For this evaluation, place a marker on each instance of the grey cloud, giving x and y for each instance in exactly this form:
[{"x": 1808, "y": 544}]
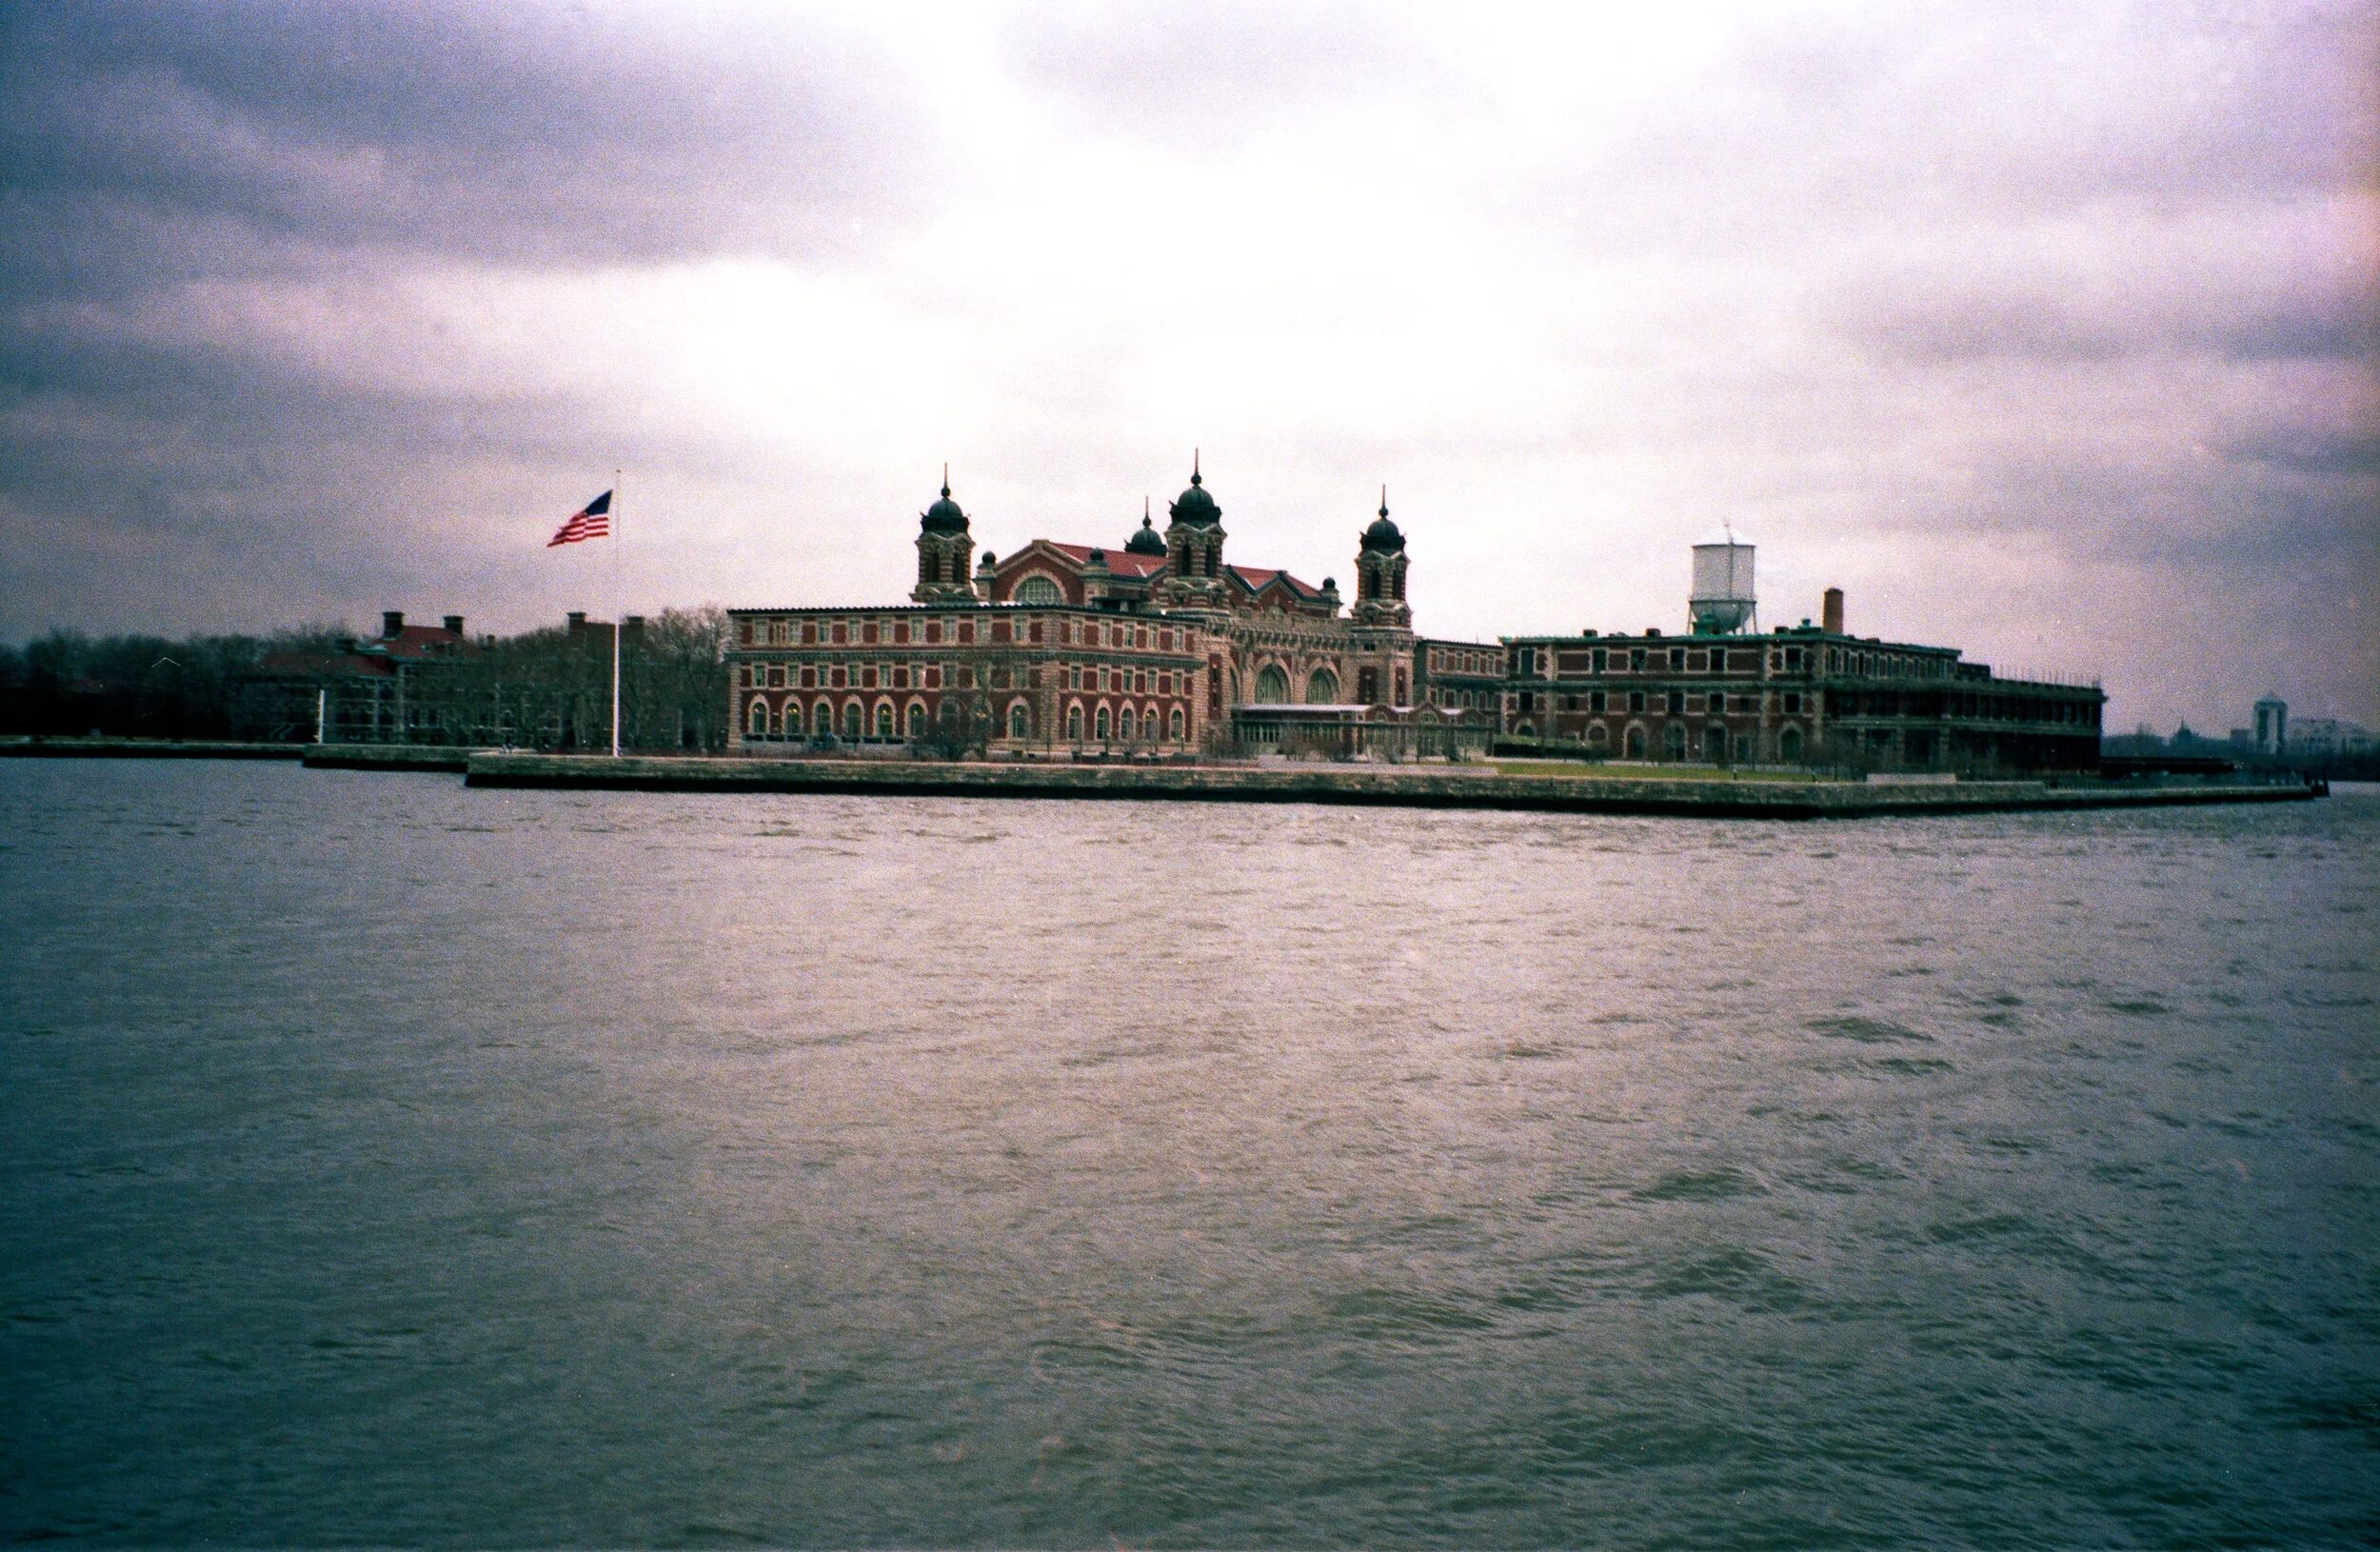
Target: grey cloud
[
  {"x": 1805, "y": 132},
  {"x": 525, "y": 134},
  {"x": 1924, "y": 317},
  {"x": 2301, "y": 450},
  {"x": 1216, "y": 74}
]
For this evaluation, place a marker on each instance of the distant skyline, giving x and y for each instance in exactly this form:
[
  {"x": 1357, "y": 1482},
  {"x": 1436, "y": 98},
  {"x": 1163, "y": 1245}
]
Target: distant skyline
[{"x": 2051, "y": 333}]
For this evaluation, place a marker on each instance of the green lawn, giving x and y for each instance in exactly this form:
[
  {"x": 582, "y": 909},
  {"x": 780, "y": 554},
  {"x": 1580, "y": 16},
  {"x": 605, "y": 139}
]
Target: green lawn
[{"x": 1589, "y": 771}]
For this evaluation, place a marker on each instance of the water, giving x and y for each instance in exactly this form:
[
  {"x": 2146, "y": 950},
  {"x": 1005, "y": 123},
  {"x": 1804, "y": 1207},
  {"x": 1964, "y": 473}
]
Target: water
[{"x": 385, "y": 1160}]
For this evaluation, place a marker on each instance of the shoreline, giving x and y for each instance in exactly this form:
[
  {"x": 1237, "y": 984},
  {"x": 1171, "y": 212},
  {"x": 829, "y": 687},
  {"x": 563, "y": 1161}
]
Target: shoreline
[
  {"x": 1375, "y": 786},
  {"x": 1399, "y": 787}
]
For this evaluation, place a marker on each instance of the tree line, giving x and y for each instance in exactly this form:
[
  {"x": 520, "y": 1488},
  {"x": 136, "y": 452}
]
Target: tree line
[{"x": 545, "y": 689}]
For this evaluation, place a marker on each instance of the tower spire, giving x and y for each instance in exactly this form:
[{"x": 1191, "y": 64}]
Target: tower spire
[{"x": 946, "y": 479}]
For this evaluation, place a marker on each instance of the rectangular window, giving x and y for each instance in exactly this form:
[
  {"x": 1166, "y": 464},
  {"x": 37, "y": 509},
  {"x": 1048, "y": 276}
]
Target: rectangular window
[
  {"x": 1792, "y": 704},
  {"x": 746, "y": 678},
  {"x": 1034, "y": 632},
  {"x": 1637, "y": 661},
  {"x": 933, "y": 632},
  {"x": 867, "y": 632},
  {"x": 1000, "y": 630},
  {"x": 1602, "y": 658},
  {"x": 1599, "y": 701},
  {"x": 1636, "y": 700},
  {"x": 1678, "y": 658},
  {"x": 967, "y": 632},
  {"x": 1678, "y": 701},
  {"x": 1792, "y": 657}
]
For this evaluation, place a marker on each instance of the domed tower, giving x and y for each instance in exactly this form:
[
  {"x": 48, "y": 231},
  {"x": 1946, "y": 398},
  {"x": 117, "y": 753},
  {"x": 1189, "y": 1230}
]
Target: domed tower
[
  {"x": 1145, "y": 540},
  {"x": 1194, "y": 546},
  {"x": 945, "y": 548},
  {"x": 1380, "y": 573}
]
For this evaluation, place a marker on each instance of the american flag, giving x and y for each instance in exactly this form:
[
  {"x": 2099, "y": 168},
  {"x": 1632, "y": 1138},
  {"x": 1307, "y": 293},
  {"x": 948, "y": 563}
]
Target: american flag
[{"x": 593, "y": 520}]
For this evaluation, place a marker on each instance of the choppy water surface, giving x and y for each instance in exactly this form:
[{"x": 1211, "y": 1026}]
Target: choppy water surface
[{"x": 386, "y": 1160}]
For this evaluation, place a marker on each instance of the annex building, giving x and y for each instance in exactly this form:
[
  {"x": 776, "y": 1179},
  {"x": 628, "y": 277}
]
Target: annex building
[
  {"x": 1801, "y": 695},
  {"x": 1159, "y": 644}
]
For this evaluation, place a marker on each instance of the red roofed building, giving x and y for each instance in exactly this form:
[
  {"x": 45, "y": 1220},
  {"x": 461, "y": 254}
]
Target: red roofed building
[{"x": 1157, "y": 643}]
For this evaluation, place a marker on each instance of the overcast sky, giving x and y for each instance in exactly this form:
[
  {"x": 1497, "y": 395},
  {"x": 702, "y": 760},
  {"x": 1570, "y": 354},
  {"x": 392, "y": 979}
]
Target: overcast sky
[{"x": 2051, "y": 333}]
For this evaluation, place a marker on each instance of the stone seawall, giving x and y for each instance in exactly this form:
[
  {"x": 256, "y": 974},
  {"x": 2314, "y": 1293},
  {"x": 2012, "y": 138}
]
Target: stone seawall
[
  {"x": 146, "y": 749},
  {"x": 1403, "y": 786},
  {"x": 387, "y": 757}
]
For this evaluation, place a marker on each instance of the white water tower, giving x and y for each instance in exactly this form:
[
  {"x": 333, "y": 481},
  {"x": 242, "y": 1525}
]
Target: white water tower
[{"x": 1723, "y": 602}]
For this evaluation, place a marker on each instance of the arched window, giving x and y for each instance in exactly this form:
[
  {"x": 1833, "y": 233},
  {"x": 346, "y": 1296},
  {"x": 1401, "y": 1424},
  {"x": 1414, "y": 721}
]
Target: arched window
[
  {"x": 1074, "y": 723},
  {"x": 1272, "y": 685},
  {"x": 1322, "y": 689},
  {"x": 1100, "y": 725},
  {"x": 1124, "y": 724},
  {"x": 1715, "y": 743},
  {"x": 756, "y": 718},
  {"x": 1173, "y": 727},
  {"x": 1635, "y": 743},
  {"x": 851, "y": 722},
  {"x": 917, "y": 722},
  {"x": 1039, "y": 590},
  {"x": 1599, "y": 737},
  {"x": 1675, "y": 741},
  {"x": 1789, "y": 745},
  {"x": 1020, "y": 722},
  {"x": 822, "y": 720},
  {"x": 885, "y": 722}
]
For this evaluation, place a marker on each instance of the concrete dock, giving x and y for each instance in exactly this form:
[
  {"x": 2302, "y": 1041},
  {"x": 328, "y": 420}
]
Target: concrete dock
[{"x": 1405, "y": 786}]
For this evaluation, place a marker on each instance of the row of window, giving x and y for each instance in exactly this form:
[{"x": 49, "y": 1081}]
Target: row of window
[
  {"x": 855, "y": 723},
  {"x": 1528, "y": 661},
  {"x": 959, "y": 676},
  {"x": 1635, "y": 743},
  {"x": 935, "y": 632},
  {"x": 1674, "y": 702}
]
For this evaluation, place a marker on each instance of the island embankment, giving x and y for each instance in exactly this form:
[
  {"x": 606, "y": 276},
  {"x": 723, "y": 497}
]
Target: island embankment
[
  {"x": 145, "y": 748},
  {"x": 430, "y": 757},
  {"x": 1405, "y": 786}
]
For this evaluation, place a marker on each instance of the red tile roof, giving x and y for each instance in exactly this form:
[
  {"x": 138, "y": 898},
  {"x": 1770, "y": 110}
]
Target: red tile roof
[
  {"x": 414, "y": 642},
  {"x": 1120, "y": 560}
]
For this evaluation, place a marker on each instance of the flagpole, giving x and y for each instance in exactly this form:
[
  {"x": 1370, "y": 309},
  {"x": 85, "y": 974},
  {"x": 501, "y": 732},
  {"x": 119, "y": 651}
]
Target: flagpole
[{"x": 620, "y": 622}]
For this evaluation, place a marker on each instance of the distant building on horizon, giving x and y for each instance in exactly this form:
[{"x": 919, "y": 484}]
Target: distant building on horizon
[{"x": 2271, "y": 726}]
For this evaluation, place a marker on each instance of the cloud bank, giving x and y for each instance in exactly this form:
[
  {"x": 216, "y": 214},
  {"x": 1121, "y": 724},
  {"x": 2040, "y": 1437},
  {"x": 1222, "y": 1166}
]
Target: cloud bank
[{"x": 2053, "y": 332}]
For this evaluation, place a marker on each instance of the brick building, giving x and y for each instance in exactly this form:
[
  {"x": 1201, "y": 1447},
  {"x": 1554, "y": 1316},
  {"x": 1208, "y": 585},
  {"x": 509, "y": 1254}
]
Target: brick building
[
  {"x": 1157, "y": 644},
  {"x": 1801, "y": 695}
]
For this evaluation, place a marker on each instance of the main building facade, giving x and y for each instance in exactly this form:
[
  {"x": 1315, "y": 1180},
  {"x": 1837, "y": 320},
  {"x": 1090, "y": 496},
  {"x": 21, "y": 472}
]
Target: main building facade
[{"x": 1159, "y": 644}]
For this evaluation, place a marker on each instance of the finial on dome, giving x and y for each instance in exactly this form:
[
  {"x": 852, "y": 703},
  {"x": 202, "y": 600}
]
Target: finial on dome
[
  {"x": 1383, "y": 501},
  {"x": 1193, "y": 467},
  {"x": 946, "y": 479}
]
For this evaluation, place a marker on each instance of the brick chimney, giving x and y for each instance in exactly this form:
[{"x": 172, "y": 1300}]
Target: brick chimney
[
  {"x": 454, "y": 624},
  {"x": 392, "y": 622},
  {"x": 575, "y": 622},
  {"x": 1830, "y": 612}
]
